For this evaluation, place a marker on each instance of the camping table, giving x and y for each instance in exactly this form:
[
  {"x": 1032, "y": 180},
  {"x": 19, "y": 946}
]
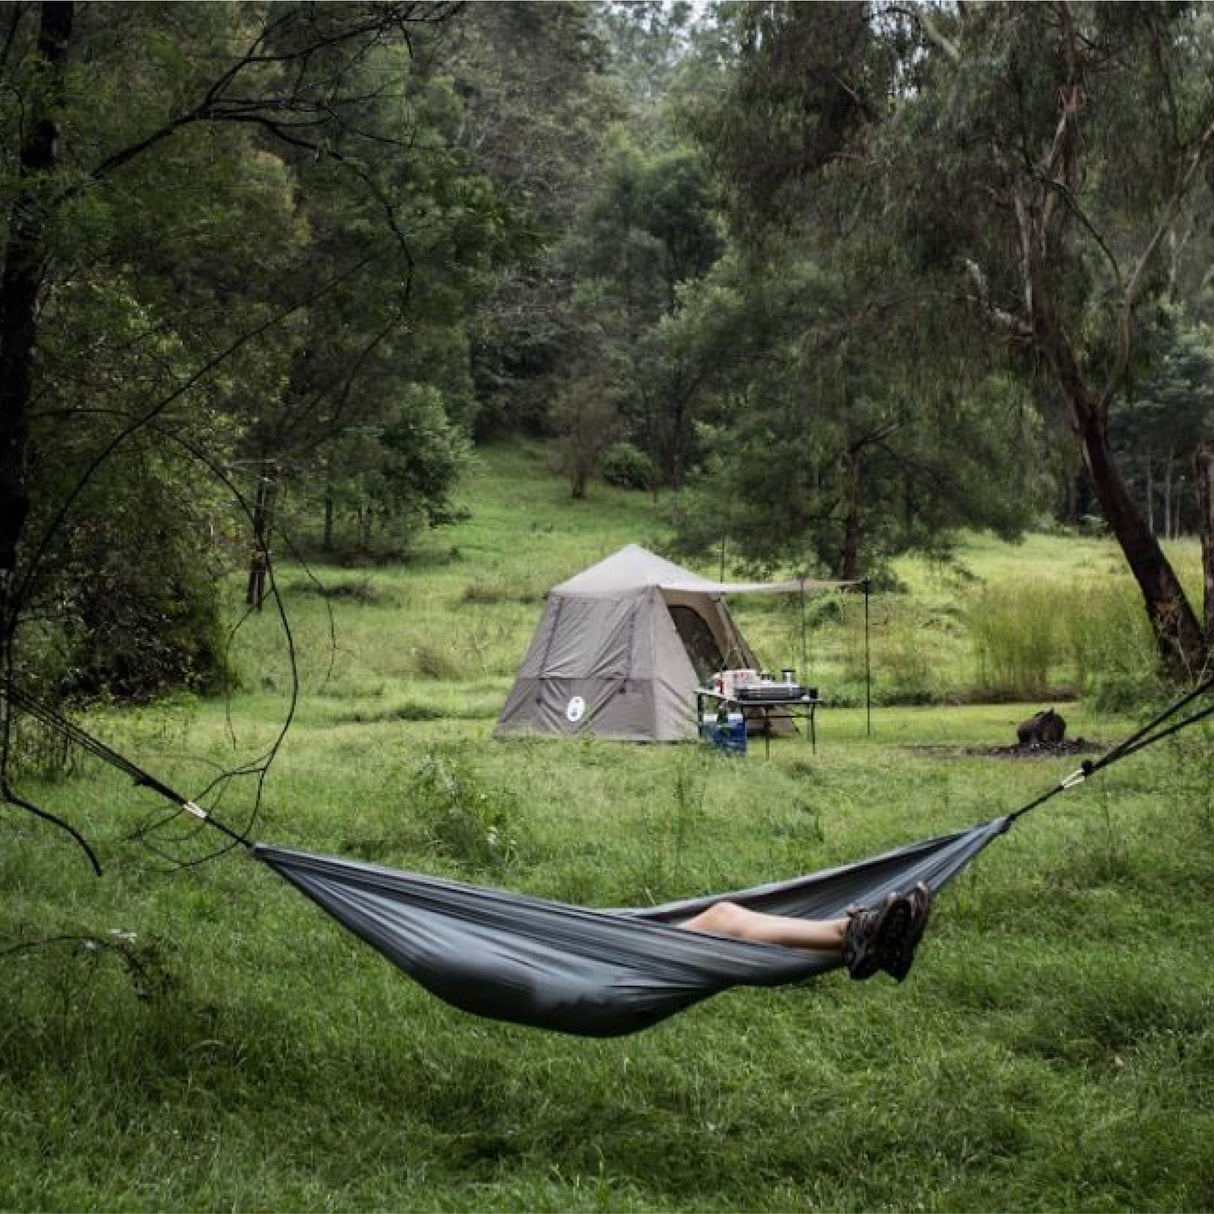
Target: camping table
[{"x": 773, "y": 709}]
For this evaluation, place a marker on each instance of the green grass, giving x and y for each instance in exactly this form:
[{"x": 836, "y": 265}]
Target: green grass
[{"x": 1053, "y": 1049}]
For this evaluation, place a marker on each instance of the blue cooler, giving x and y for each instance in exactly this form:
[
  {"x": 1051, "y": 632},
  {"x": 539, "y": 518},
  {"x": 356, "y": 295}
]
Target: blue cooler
[{"x": 728, "y": 735}]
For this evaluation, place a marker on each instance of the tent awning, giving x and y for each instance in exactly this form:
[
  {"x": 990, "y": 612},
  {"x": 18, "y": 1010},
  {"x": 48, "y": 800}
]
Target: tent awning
[
  {"x": 634, "y": 568},
  {"x": 786, "y": 587}
]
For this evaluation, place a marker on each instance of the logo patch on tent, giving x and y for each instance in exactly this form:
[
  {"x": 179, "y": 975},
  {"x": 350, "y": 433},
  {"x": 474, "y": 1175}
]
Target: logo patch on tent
[{"x": 575, "y": 710}]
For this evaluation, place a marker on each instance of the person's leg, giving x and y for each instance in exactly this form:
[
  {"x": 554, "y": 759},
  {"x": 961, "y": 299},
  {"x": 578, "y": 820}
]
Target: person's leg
[
  {"x": 730, "y": 919},
  {"x": 884, "y": 938}
]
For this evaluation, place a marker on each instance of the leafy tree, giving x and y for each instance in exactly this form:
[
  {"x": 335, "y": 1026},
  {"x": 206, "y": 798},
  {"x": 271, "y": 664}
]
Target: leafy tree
[
  {"x": 649, "y": 228},
  {"x": 1018, "y": 169},
  {"x": 357, "y": 353},
  {"x": 533, "y": 86},
  {"x": 586, "y": 405},
  {"x": 824, "y": 443},
  {"x": 393, "y": 478},
  {"x": 172, "y": 209},
  {"x": 1156, "y": 426},
  {"x": 648, "y": 39}
]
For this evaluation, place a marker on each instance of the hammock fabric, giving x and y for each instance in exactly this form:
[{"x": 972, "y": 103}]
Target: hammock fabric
[{"x": 596, "y": 973}]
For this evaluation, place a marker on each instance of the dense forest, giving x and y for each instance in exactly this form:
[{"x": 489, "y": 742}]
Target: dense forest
[{"x": 830, "y": 280}]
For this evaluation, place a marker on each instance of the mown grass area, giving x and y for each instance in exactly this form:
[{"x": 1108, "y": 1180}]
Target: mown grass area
[{"x": 233, "y": 1048}]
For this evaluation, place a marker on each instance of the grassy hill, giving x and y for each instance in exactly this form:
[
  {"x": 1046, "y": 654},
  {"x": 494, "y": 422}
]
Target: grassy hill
[
  {"x": 205, "y": 1038},
  {"x": 1048, "y": 619}
]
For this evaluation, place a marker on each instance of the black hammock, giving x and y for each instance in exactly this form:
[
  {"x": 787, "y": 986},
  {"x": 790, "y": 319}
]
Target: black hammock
[{"x": 597, "y": 973}]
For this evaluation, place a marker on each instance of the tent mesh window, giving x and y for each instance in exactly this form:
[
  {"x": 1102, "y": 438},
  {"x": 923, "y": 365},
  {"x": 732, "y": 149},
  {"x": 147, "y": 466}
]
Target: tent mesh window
[{"x": 699, "y": 642}]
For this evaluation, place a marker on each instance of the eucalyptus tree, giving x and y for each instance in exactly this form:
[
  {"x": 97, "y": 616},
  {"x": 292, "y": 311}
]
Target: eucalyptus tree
[{"x": 1020, "y": 170}]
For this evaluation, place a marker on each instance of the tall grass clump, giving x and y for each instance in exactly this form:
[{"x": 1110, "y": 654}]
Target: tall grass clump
[
  {"x": 1017, "y": 635},
  {"x": 907, "y": 669},
  {"x": 1108, "y": 638},
  {"x": 1049, "y": 639},
  {"x": 435, "y": 660},
  {"x": 906, "y": 647}
]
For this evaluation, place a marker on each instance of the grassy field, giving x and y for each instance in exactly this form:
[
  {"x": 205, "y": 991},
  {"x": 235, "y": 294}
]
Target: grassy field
[{"x": 204, "y": 1038}]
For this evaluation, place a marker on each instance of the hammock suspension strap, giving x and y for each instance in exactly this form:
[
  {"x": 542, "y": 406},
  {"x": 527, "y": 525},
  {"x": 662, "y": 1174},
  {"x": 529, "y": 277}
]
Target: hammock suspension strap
[
  {"x": 1150, "y": 733},
  {"x": 94, "y": 746}
]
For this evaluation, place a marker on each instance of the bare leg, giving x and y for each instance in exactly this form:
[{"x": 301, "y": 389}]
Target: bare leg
[{"x": 730, "y": 919}]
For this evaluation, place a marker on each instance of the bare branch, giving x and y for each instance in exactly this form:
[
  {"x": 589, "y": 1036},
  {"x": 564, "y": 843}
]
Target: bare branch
[
  {"x": 1087, "y": 225},
  {"x": 920, "y": 14},
  {"x": 302, "y": 101},
  {"x": 1017, "y": 326}
]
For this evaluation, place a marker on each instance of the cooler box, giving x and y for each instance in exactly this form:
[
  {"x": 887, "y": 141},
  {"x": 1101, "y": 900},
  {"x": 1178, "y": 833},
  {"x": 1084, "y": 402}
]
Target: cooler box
[{"x": 729, "y": 736}]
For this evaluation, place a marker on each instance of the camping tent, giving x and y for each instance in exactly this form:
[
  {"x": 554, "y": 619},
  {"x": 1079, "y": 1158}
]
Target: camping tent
[{"x": 622, "y": 647}]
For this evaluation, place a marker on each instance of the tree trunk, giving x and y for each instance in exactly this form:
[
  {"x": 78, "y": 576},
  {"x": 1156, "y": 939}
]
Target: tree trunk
[
  {"x": 1204, "y": 465},
  {"x": 24, "y": 260},
  {"x": 326, "y": 542},
  {"x": 579, "y": 479},
  {"x": 1150, "y": 493},
  {"x": 1167, "y": 498},
  {"x": 263, "y": 521},
  {"x": 1182, "y": 644}
]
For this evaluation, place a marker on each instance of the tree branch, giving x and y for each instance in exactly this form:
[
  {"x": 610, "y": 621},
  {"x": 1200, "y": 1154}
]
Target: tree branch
[
  {"x": 1017, "y": 326},
  {"x": 921, "y": 16},
  {"x": 1133, "y": 288}
]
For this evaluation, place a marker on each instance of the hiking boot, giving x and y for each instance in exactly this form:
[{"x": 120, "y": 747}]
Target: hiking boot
[
  {"x": 871, "y": 934},
  {"x": 899, "y": 955}
]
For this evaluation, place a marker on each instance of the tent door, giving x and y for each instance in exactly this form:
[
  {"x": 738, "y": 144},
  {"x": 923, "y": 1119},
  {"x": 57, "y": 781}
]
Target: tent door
[{"x": 698, "y": 639}]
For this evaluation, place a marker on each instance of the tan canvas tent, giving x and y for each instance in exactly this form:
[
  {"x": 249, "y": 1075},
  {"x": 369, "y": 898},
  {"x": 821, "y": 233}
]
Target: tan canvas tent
[{"x": 621, "y": 648}]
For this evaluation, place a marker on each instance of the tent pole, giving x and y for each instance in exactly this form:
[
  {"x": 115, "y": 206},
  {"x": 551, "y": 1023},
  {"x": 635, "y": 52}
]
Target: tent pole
[{"x": 868, "y": 669}]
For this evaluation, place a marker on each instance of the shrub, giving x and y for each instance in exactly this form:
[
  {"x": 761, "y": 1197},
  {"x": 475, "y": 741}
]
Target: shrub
[
  {"x": 464, "y": 821},
  {"x": 628, "y": 467},
  {"x": 126, "y": 603},
  {"x": 434, "y": 662}
]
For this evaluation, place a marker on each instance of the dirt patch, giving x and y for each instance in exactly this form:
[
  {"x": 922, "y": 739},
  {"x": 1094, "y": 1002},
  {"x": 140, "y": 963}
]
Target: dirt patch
[{"x": 1056, "y": 750}]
